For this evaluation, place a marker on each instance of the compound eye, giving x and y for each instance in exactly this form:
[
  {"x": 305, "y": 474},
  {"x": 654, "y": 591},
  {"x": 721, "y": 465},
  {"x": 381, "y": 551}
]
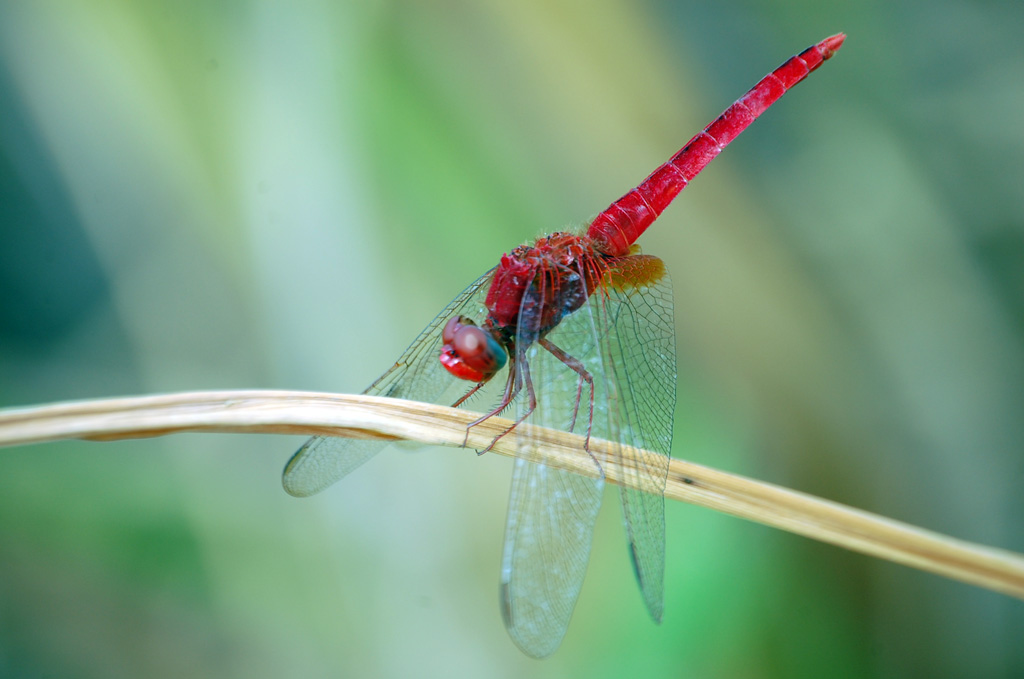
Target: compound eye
[
  {"x": 470, "y": 352},
  {"x": 452, "y": 326},
  {"x": 478, "y": 349}
]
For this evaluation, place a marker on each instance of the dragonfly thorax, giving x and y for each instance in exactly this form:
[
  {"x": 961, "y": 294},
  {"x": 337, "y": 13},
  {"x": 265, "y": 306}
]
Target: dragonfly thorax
[{"x": 534, "y": 287}]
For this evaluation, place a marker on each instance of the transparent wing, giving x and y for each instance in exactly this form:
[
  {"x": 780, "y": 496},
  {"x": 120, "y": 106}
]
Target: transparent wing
[
  {"x": 623, "y": 338},
  {"x": 640, "y": 357},
  {"x": 552, "y": 512},
  {"x": 550, "y": 528},
  {"x": 417, "y": 375}
]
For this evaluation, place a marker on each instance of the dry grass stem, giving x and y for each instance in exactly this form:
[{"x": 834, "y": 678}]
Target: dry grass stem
[{"x": 285, "y": 412}]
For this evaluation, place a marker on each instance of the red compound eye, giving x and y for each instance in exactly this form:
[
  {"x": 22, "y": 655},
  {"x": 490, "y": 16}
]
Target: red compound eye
[
  {"x": 478, "y": 349},
  {"x": 452, "y": 326},
  {"x": 469, "y": 352}
]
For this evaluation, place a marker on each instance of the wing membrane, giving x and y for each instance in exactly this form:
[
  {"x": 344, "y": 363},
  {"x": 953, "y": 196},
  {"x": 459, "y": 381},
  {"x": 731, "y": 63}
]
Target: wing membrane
[
  {"x": 417, "y": 375},
  {"x": 640, "y": 352},
  {"x": 552, "y": 512},
  {"x": 624, "y": 339},
  {"x": 550, "y": 528}
]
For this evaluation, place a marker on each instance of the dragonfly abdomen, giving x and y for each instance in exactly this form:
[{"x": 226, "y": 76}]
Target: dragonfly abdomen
[{"x": 618, "y": 227}]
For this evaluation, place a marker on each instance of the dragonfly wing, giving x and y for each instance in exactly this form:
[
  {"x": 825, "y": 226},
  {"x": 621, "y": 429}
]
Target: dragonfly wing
[
  {"x": 640, "y": 354},
  {"x": 623, "y": 337},
  {"x": 550, "y": 527},
  {"x": 552, "y": 512},
  {"x": 323, "y": 460},
  {"x": 417, "y": 375}
]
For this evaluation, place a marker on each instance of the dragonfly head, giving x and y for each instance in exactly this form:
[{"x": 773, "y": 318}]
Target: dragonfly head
[{"x": 470, "y": 352}]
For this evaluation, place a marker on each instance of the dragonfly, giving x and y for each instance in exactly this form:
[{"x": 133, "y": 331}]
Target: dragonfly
[{"x": 574, "y": 332}]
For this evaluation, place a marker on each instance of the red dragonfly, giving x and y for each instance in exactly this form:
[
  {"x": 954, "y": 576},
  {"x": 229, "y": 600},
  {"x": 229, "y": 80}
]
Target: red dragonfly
[{"x": 581, "y": 325}]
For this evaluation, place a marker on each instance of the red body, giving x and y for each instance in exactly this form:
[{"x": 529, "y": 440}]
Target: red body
[
  {"x": 618, "y": 227},
  {"x": 567, "y": 268}
]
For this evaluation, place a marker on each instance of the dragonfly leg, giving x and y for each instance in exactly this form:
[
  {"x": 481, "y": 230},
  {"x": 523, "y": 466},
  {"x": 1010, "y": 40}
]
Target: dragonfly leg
[
  {"x": 585, "y": 377},
  {"x": 511, "y": 390},
  {"x": 523, "y": 375},
  {"x": 463, "y": 399},
  {"x": 469, "y": 393}
]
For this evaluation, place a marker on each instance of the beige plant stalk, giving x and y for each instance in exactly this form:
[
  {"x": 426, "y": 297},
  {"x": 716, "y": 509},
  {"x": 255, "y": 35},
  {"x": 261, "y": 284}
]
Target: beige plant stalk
[{"x": 285, "y": 412}]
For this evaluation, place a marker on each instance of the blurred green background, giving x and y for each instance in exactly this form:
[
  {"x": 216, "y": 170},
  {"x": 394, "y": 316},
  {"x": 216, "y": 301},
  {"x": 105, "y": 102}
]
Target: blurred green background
[{"x": 208, "y": 195}]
